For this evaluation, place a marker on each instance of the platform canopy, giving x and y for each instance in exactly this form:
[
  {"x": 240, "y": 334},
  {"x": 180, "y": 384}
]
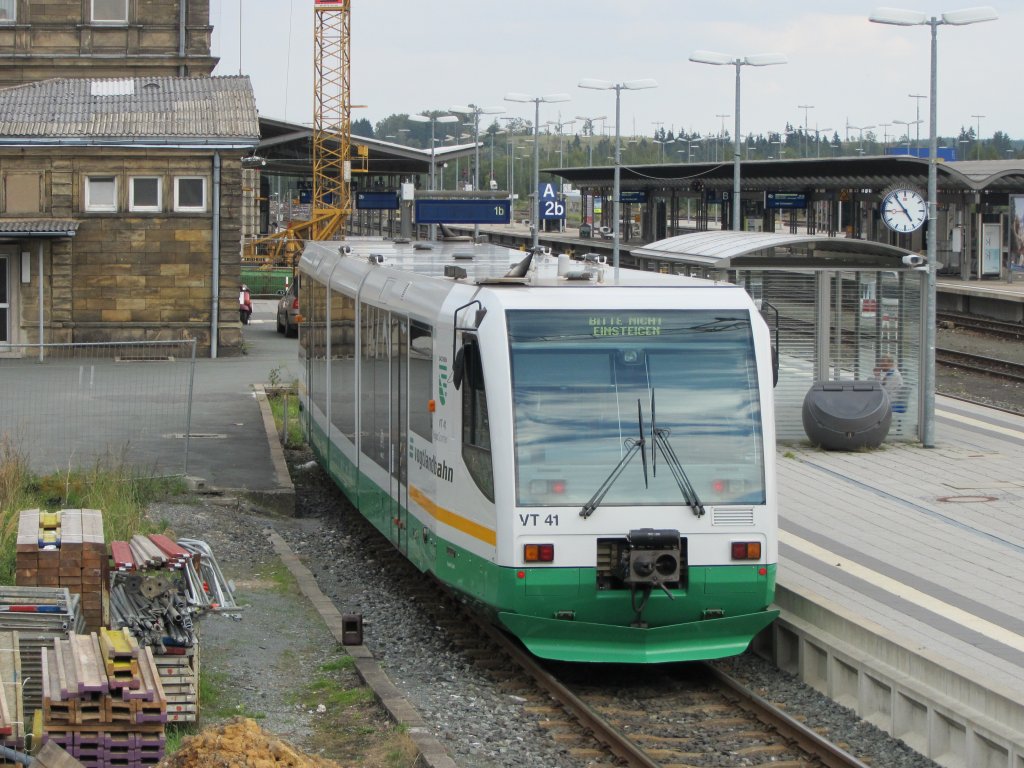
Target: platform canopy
[{"x": 771, "y": 250}]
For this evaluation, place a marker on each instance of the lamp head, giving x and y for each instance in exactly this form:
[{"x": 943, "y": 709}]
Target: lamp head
[
  {"x": 765, "y": 59},
  {"x": 898, "y": 16},
  {"x": 970, "y": 15},
  {"x": 712, "y": 57}
]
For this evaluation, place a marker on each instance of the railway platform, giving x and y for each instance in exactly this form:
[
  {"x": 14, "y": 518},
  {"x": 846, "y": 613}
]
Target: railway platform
[{"x": 900, "y": 584}]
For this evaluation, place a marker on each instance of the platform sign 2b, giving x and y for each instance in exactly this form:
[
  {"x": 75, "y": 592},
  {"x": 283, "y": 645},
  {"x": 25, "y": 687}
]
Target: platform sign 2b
[
  {"x": 551, "y": 205},
  {"x": 479, "y": 211}
]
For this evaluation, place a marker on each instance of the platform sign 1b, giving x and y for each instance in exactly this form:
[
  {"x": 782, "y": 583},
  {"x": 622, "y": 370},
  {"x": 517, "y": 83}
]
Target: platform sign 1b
[
  {"x": 551, "y": 205},
  {"x": 481, "y": 211}
]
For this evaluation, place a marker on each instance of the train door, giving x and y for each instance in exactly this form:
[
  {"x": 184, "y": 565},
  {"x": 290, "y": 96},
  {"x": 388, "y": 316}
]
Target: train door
[{"x": 399, "y": 448}]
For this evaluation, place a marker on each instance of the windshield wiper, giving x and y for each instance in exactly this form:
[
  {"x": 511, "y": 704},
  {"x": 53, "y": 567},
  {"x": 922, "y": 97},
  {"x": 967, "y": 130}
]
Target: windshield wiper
[
  {"x": 633, "y": 446},
  {"x": 660, "y": 439}
]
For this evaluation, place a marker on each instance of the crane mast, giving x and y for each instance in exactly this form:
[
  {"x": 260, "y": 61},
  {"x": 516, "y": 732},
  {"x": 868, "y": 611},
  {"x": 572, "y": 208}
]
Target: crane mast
[{"x": 332, "y": 118}]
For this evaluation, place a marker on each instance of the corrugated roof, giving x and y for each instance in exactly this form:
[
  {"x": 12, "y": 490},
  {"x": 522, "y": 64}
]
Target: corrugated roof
[
  {"x": 39, "y": 227},
  {"x": 184, "y": 108},
  {"x": 724, "y": 249}
]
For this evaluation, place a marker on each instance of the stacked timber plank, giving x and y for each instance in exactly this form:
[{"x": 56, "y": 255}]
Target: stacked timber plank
[
  {"x": 37, "y": 615},
  {"x": 65, "y": 549},
  {"x": 103, "y": 701},
  {"x": 12, "y": 713}
]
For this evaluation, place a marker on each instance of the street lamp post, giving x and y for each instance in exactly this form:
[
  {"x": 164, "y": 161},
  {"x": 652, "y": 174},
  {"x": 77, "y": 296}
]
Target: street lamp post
[
  {"x": 759, "y": 60},
  {"x": 905, "y": 18},
  {"x": 860, "y": 128},
  {"x": 805, "y": 108},
  {"x": 978, "y": 135},
  {"x": 475, "y": 111},
  {"x": 817, "y": 139},
  {"x": 522, "y": 97},
  {"x": 589, "y": 121},
  {"x": 432, "y": 119},
  {"x": 917, "y": 104},
  {"x": 909, "y": 123},
  {"x": 605, "y": 85}
]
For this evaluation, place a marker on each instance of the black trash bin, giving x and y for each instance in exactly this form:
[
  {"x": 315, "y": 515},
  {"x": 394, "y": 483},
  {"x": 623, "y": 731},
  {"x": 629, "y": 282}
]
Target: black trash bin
[
  {"x": 847, "y": 415},
  {"x": 584, "y": 230}
]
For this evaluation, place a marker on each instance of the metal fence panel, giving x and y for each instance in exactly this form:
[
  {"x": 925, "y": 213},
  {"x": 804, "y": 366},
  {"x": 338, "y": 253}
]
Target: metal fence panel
[{"x": 73, "y": 405}]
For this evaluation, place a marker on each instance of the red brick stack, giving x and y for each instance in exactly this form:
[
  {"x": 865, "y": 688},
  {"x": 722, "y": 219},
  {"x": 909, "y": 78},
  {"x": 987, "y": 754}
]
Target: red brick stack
[{"x": 66, "y": 549}]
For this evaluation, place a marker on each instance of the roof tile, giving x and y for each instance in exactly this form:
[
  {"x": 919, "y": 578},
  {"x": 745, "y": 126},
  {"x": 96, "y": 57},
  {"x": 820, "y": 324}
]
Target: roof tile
[{"x": 150, "y": 107}]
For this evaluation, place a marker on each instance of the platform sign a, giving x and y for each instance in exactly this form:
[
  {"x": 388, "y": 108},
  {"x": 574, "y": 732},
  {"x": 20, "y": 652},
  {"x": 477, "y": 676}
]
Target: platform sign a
[{"x": 551, "y": 205}]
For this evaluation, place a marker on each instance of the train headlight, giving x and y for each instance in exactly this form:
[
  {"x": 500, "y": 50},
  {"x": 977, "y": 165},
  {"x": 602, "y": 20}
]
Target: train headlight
[
  {"x": 539, "y": 553},
  {"x": 746, "y": 550}
]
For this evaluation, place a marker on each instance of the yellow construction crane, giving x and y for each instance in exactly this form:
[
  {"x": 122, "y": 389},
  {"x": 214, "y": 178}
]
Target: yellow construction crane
[{"x": 332, "y": 140}]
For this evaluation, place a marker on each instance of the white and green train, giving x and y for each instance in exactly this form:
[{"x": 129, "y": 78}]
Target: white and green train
[{"x": 589, "y": 460}]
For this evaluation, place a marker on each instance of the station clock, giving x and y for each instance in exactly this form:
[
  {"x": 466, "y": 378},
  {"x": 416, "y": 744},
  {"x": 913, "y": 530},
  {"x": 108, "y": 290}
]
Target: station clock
[{"x": 903, "y": 209}]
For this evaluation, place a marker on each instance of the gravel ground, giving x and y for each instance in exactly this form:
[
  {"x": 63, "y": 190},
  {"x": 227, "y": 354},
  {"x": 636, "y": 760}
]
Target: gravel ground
[{"x": 282, "y": 640}]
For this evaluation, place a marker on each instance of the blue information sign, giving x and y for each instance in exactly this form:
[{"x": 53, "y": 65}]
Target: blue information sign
[
  {"x": 463, "y": 211},
  {"x": 633, "y": 196},
  {"x": 377, "y": 201},
  {"x": 551, "y": 206},
  {"x": 785, "y": 199}
]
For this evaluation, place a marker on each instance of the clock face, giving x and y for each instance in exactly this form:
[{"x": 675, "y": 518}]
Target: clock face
[{"x": 904, "y": 210}]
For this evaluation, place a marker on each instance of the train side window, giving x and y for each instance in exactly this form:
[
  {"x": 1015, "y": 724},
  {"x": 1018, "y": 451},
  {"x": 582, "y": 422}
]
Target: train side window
[
  {"x": 476, "y": 427},
  {"x": 421, "y": 361}
]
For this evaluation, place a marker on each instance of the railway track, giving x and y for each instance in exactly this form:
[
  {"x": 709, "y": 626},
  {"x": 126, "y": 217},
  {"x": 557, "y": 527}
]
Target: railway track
[
  {"x": 991, "y": 366},
  {"x": 666, "y": 716},
  {"x": 681, "y": 715},
  {"x": 998, "y": 328}
]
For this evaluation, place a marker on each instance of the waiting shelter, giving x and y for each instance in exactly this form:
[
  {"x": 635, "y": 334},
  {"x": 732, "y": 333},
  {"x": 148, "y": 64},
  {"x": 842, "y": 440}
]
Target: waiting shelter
[{"x": 835, "y": 307}]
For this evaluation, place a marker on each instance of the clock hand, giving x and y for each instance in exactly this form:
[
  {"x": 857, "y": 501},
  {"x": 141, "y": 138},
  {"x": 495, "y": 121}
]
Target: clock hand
[{"x": 903, "y": 208}]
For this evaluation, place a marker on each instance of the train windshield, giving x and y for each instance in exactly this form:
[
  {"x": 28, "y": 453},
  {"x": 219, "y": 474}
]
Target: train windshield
[{"x": 577, "y": 377}]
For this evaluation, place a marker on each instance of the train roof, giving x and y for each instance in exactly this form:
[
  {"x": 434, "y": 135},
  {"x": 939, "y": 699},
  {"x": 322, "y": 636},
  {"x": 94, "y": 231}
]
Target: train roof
[{"x": 488, "y": 264}]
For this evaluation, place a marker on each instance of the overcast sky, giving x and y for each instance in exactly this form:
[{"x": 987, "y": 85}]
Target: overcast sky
[{"x": 410, "y": 56}]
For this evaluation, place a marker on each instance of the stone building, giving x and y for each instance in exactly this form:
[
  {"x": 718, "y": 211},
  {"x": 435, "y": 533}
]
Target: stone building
[
  {"x": 127, "y": 193},
  {"x": 44, "y": 39}
]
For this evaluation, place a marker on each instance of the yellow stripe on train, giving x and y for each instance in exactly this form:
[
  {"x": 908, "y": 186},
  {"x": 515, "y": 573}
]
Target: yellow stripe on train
[{"x": 449, "y": 518}]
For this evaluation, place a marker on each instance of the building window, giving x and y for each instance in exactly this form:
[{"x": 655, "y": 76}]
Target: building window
[
  {"x": 144, "y": 193},
  {"x": 101, "y": 193},
  {"x": 8, "y": 11},
  {"x": 190, "y": 193},
  {"x": 110, "y": 11}
]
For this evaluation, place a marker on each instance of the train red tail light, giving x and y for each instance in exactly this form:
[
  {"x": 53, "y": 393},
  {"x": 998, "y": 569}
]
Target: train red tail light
[
  {"x": 718, "y": 486},
  {"x": 547, "y": 487},
  {"x": 746, "y": 550},
  {"x": 539, "y": 553}
]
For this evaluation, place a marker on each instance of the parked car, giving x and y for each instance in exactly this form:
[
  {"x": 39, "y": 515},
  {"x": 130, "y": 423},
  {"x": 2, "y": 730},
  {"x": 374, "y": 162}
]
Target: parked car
[{"x": 288, "y": 311}]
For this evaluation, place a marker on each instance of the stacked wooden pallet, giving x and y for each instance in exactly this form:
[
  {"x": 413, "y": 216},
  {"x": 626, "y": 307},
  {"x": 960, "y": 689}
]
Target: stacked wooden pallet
[
  {"x": 103, "y": 700},
  {"x": 65, "y": 549},
  {"x": 37, "y": 615},
  {"x": 179, "y": 674}
]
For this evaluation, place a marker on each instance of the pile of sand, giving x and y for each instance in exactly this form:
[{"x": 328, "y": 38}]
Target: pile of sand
[{"x": 240, "y": 743}]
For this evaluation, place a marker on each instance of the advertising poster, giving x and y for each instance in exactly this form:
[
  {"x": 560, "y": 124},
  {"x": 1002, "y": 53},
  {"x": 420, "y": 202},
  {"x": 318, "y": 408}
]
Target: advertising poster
[
  {"x": 1017, "y": 233},
  {"x": 991, "y": 249}
]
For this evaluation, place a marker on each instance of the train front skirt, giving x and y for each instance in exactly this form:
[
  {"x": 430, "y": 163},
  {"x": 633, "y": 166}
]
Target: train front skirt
[{"x": 562, "y": 640}]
